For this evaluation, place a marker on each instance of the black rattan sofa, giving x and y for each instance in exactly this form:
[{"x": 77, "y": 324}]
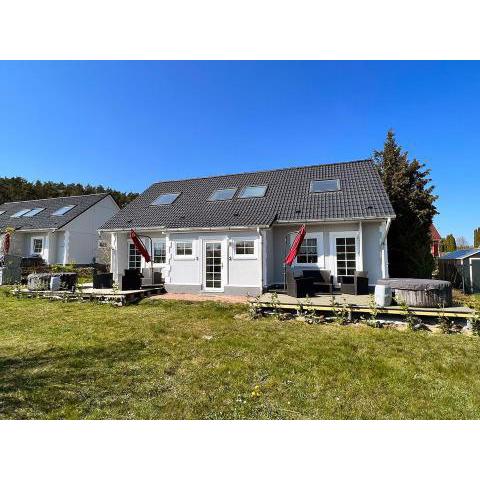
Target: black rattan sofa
[{"x": 303, "y": 282}]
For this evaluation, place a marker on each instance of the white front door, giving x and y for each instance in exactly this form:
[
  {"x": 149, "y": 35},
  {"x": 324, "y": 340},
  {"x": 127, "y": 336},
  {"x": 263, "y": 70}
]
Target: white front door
[{"x": 212, "y": 266}]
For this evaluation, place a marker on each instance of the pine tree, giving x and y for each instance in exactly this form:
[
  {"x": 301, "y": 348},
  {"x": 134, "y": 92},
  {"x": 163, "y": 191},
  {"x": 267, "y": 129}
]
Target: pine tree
[
  {"x": 476, "y": 238},
  {"x": 407, "y": 185},
  {"x": 449, "y": 243}
]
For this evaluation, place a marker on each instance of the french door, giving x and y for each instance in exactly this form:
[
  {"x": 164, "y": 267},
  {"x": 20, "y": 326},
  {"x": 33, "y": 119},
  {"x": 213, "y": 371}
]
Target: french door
[
  {"x": 345, "y": 254},
  {"x": 212, "y": 274}
]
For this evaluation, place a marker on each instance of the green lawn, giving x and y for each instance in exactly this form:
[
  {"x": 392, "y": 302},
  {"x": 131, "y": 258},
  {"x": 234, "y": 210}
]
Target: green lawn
[{"x": 157, "y": 360}]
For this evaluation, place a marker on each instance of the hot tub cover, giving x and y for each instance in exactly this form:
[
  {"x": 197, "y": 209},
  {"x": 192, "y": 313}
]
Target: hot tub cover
[{"x": 418, "y": 284}]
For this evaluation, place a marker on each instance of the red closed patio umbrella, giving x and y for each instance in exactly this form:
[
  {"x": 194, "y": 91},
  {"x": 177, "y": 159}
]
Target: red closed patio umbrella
[
  {"x": 295, "y": 246},
  {"x": 6, "y": 243},
  {"x": 140, "y": 246}
]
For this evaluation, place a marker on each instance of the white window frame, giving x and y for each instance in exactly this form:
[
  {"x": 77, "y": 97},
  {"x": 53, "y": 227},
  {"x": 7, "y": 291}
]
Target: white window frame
[
  {"x": 20, "y": 213},
  {"x": 244, "y": 189},
  {"x": 333, "y": 249},
  {"x": 184, "y": 257},
  {"x": 230, "y": 189},
  {"x": 142, "y": 260},
  {"x": 68, "y": 207},
  {"x": 337, "y": 180},
  {"x": 320, "y": 250},
  {"x": 247, "y": 256},
  {"x": 154, "y": 204},
  {"x": 32, "y": 243},
  {"x": 159, "y": 240}
]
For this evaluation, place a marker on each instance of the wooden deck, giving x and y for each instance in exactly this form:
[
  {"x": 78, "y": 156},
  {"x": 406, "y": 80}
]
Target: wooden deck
[
  {"x": 104, "y": 295},
  {"x": 356, "y": 304}
]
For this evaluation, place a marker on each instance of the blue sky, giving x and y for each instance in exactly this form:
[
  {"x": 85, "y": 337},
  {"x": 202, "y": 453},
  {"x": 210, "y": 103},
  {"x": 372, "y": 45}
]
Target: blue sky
[{"x": 128, "y": 124}]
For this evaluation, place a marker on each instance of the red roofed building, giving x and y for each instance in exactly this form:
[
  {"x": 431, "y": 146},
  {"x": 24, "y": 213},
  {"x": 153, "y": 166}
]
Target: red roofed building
[{"x": 436, "y": 240}]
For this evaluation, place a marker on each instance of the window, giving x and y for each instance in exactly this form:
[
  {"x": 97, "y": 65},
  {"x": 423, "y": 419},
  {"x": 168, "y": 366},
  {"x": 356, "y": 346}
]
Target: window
[
  {"x": 20, "y": 213},
  {"x": 244, "y": 247},
  {"x": 37, "y": 246},
  {"x": 63, "y": 210},
  {"x": 2, "y": 212},
  {"x": 33, "y": 212},
  {"x": 134, "y": 257},
  {"x": 165, "y": 199},
  {"x": 184, "y": 249},
  {"x": 308, "y": 251},
  {"x": 345, "y": 248},
  {"x": 253, "y": 191},
  {"x": 320, "y": 186},
  {"x": 159, "y": 251},
  {"x": 223, "y": 194}
]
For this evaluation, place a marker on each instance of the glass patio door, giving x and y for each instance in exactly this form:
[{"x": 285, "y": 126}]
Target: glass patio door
[
  {"x": 213, "y": 266},
  {"x": 346, "y": 255}
]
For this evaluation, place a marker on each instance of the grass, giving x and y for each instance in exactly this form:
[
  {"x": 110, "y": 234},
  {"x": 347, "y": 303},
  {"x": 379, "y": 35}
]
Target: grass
[{"x": 178, "y": 360}]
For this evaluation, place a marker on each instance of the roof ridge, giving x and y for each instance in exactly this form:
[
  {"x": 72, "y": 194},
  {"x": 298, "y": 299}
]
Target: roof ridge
[
  {"x": 54, "y": 198},
  {"x": 264, "y": 171}
]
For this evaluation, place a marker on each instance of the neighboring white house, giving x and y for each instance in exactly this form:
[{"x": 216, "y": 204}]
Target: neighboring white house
[
  {"x": 60, "y": 230},
  {"x": 229, "y": 234}
]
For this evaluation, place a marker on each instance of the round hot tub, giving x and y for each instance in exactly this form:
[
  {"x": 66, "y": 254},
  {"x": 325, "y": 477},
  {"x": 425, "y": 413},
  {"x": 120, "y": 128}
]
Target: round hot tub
[{"x": 418, "y": 292}]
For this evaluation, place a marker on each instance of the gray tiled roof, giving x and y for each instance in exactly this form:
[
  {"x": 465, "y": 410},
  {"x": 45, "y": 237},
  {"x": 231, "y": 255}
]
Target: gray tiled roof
[
  {"x": 287, "y": 199},
  {"x": 45, "y": 219}
]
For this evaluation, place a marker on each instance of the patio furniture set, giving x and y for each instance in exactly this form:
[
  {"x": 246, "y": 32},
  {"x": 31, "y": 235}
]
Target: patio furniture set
[
  {"x": 303, "y": 282},
  {"x": 414, "y": 292}
]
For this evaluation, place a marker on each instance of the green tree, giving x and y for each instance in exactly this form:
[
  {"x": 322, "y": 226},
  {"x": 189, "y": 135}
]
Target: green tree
[
  {"x": 407, "y": 183},
  {"x": 476, "y": 238},
  {"x": 449, "y": 243},
  {"x": 17, "y": 189}
]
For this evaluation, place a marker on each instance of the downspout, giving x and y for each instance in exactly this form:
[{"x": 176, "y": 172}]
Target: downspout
[
  {"x": 387, "y": 228},
  {"x": 261, "y": 257},
  {"x": 382, "y": 245}
]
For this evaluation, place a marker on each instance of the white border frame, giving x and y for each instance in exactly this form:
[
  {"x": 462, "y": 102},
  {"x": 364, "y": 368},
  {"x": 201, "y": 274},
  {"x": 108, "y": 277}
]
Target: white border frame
[
  {"x": 236, "y": 256},
  {"x": 320, "y": 251},
  {"x": 184, "y": 257},
  {"x": 203, "y": 267},
  {"x": 333, "y": 251},
  {"x": 142, "y": 260},
  {"x": 32, "y": 239},
  {"x": 158, "y": 240}
]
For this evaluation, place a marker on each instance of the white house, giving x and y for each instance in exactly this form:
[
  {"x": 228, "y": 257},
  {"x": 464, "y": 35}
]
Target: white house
[
  {"x": 230, "y": 233},
  {"x": 60, "y": 230}
]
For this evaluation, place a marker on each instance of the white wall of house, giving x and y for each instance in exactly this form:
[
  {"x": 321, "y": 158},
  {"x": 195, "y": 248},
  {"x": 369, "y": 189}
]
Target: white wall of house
[
  {"x": 119, "y": 258},
  {"x": 368, "y": 236},
  {"x": 60, "y": 248},
  {"x": 240, "y": 273},
  {"x": 22, "y": 244},
  {"x": 81, "y": 236},
  {"x": 372, "y": 254}
]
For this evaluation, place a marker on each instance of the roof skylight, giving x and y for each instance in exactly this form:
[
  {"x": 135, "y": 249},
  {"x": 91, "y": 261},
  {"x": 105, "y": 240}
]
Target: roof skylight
[
  {"x": 253, "y": 191},
  {"x": 33, "y": 212},
  {"x": 321, "y": 186},
  {"x": 20, "y": 213},
  {"x": 223, "y": 194},
  {"x": 63, "y": 210},
  {"x": 165, "y": 199}
]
